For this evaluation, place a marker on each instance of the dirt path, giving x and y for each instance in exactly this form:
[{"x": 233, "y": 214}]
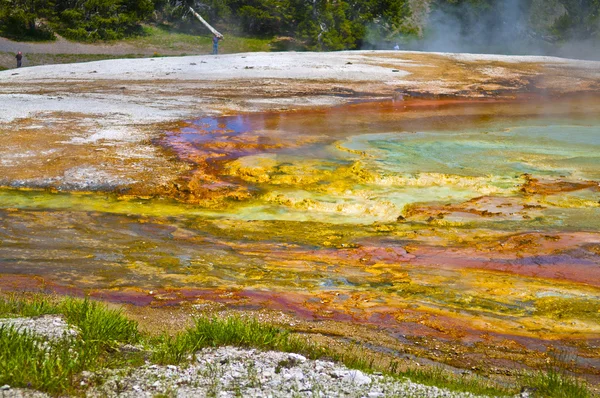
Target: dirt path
[
  {"x": 63, "y": 46},
  {"x": 63, "y": 51}
]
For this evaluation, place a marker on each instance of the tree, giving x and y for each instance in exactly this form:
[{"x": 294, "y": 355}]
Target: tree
[
  {"x": 91, "y": 20},
  {"x": 22, "y": 18},
  {"x": 312, "y": 24},
  {"x": 264, "y": 17},
  {"x": 385, "y": 18},
  {"x": 580, "y": 21}
]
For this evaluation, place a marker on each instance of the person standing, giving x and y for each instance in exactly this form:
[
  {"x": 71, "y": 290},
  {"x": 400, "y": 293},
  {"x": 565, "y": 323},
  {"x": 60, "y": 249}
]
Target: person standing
[
  {"x": 19, "y": 58},
  {"x": 216, "y": 44}
]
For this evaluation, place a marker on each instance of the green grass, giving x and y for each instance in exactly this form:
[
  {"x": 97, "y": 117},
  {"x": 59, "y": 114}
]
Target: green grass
[
  {"x": 26, "y": 362},
  {"x": 162, "y": 37},
  {"x": 235, "y": 331},
  {"x": 556, "y": 383},
  {"x": 156, "y": 41},
  {"x": 248, "y": 332},
  {"x": 97, "y": 323},
  {"x": 36, "y": 305},
  {"x": 437, "y": 376},
  {"x": 54, "y": 366},
  {"x": 361, "y": 359},
  {"x": 94, "y": 320}
]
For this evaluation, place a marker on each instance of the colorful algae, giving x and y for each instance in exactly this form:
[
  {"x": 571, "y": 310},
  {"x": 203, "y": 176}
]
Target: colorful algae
[{"x": 485, "y": 223}]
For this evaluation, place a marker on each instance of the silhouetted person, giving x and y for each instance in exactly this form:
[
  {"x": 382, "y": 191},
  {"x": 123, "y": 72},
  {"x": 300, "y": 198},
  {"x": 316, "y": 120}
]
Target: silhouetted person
[{"x": 19, "y": 58}]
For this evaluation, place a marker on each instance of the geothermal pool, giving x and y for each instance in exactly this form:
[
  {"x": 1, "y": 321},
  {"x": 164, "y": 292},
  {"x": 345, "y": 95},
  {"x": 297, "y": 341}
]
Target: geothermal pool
[{"x": 471, "y": 222}]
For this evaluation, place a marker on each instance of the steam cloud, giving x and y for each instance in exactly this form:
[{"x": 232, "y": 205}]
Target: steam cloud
[{"x": 511, "y": 27}]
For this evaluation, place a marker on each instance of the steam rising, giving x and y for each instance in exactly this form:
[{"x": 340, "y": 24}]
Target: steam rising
[
  {"x": 508, "y": 27},
  {"x": 489, "y": 31}
]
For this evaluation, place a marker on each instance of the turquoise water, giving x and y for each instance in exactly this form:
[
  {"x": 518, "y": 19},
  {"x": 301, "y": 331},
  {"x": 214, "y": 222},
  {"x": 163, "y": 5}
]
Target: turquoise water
[
  {"x": 553, "y": 150},
  {"x": 366, "y": 178},
  {"x": 446, "y": 167}
]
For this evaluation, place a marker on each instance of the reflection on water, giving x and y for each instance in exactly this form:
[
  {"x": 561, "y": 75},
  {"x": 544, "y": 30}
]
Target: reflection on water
[{"x": 451, "y": 220}]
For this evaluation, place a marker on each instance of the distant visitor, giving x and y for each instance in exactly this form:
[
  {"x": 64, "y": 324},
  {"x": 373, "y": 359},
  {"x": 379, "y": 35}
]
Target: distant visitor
[
  {"x": 216, "y": 44},
  {"x": 19, "y": 58}
]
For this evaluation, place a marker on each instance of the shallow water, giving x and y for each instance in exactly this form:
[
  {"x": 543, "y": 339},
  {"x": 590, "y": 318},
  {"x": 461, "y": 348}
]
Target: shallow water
[{"x": 452, "y": 220}]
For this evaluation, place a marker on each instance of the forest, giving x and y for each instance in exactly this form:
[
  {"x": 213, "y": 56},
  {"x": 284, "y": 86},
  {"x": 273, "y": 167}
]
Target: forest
[{"x": 313, "y": 24}]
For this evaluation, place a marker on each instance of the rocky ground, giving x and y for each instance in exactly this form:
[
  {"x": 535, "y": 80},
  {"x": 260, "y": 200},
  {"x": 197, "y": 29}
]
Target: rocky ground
[
  {"x": 234, "y": 372},
  {"x": 51, "y": 327},
  {"x": 227, "y": 372}
]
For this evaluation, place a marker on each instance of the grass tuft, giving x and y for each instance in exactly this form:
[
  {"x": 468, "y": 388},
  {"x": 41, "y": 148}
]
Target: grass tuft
[
  {"x": 36, "y": 305},
  {"x": 29, "y": 361},
  {"x": 249, "y": 332},
  {"x": 437, "y": 376},
  {"x": 97, "y": 323},
  {"x": 237, "y": 331},
  {"x": 52, "y": 366},
  {"x": 356, "y": 357},
  {"x": 233, "y": 330},
  {"x": 555, "y": 383}
]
